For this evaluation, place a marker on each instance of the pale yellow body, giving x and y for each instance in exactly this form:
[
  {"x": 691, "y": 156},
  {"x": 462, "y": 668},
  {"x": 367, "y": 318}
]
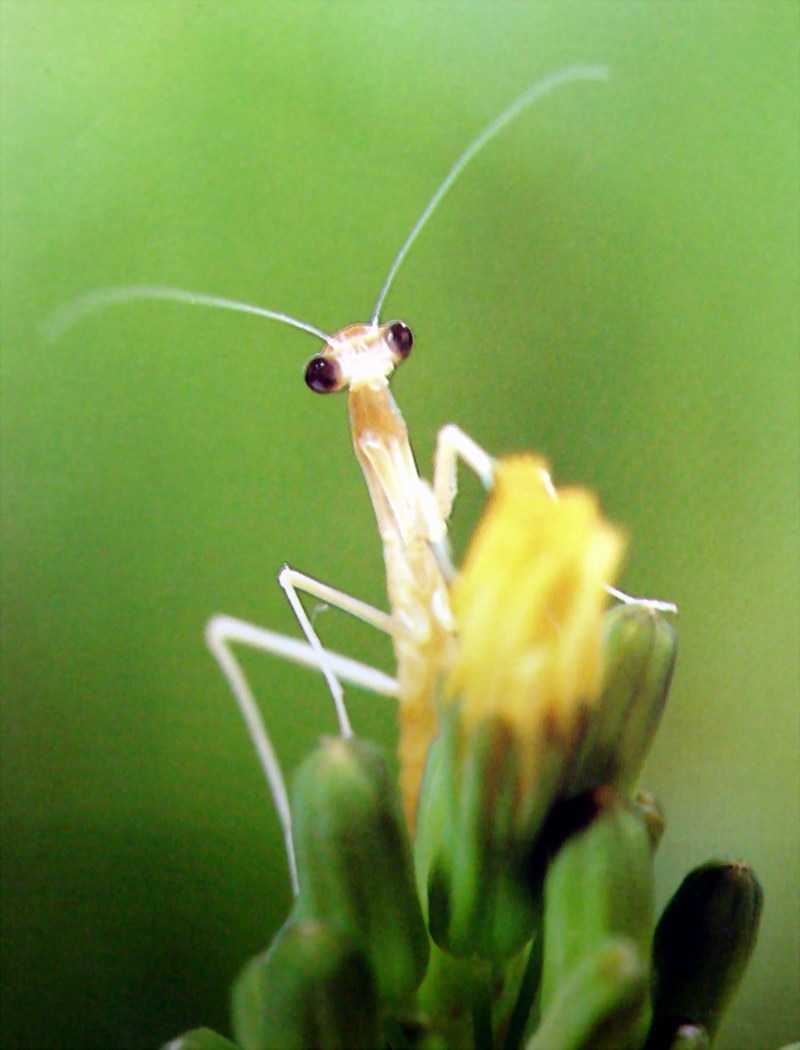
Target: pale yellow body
[
  {"x": 417, "y": 590},
  {"x": 409, "y": 523}
]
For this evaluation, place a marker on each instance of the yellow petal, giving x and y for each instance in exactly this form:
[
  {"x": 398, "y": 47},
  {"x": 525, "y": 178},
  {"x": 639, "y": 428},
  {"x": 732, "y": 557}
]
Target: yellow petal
[{"x": 528, "y": 602}]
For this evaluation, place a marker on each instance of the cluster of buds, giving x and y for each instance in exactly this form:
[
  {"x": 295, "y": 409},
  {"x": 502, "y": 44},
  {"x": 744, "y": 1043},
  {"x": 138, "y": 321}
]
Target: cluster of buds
[{"x": 521, "y": 914}]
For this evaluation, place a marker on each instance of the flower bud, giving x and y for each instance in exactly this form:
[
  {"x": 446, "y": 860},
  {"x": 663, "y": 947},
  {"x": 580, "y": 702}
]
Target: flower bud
[
  {"x": 528, "y": 603},
  {"x": 599, "y": 886},
  {"x": 354, "y": 859},
  {"x": 701, "y": 948},
  {"x": 639, "y": 648},
  {"x": 474, "y": 873},
  {"x": 312, "y": 990},
  {"x": 452, "y": 983}
]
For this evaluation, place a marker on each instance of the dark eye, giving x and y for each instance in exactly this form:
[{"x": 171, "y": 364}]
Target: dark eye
[
  {"x": 322, "y": 375},
  {"x": 400, "y": 338}
]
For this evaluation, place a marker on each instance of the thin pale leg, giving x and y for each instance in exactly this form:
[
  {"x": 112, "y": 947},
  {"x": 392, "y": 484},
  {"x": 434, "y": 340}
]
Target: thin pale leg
[
  {"x": 242, "y": 632},
  {"x": 453, "y": 444},
  {"x": 650, "y": 603},
  {"x": 223, "y": 631},
  {"x": 626, "y": 599},
  {"x": 383, "y": 621},
  {"x": 220, "y": 632},
  {"x": 293, "y": 581}
]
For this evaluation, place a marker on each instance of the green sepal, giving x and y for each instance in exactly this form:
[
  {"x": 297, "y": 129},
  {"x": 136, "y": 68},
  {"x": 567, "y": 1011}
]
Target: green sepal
[
  {"x": 599, "y": 886},
  {"x": 354, "y": 859},
  {"x": 200, "y": 1039},
  {"x": 600, "y": 1004},
  {"x": 446, "y": 995},
  {"x": 639, "y": 649},
  {"x": 482, "y": 890},
  {"x": 313, "y": 989},
  {"x": 453, "y": 983},
  {"x": 701, "y": 948},
  {"x": 452, "y": 986}
]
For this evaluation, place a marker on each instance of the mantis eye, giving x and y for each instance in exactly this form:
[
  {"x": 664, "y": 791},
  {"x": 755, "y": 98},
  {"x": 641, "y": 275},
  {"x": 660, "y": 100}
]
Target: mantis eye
[
  {"x": 322, "y": 375},
  {"x": 400, "y": 338}
]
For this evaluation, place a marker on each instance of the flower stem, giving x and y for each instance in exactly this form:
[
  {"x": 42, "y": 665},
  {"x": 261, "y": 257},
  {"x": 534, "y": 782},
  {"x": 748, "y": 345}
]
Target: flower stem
[
  {"x": 481, "y": 1017},
  {"x": 395, "y": 1036},
  {"x": 528, "y": 987}
]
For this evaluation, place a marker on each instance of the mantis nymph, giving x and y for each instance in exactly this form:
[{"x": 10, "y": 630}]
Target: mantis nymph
[{"x": 411, "y": 513}]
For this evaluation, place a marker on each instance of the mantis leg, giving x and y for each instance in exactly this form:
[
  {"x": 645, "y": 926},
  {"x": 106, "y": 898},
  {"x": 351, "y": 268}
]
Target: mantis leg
[
  {"x": 453, "y": 444},
  {"x": 223, "y": 632},
  {"x": 293, "y": 581}
]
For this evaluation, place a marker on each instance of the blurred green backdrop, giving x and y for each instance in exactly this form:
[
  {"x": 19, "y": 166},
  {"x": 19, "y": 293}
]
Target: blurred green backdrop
[{"x": 614, "y": 282}]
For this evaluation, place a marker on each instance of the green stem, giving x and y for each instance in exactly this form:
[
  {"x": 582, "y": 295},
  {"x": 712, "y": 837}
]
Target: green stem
[
  {"x": 395, "y": 1036},
  {"x": 482, "y": 1016},
  {"x": 528, "y": 987}
]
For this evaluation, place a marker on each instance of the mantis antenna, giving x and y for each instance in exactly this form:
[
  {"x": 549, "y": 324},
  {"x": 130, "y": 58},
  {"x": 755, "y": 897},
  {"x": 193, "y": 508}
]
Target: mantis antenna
[
  {"x": 65, "y": 317},
  {"x": 536, "y": 91}
]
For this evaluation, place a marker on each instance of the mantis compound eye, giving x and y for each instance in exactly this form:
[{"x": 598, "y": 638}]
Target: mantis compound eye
[
  {"x": 400, "y": 339},
  {"x": 322, "y": 375}
]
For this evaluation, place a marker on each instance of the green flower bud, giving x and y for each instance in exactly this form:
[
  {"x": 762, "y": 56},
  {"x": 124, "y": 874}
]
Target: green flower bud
[
  {"x": 640, "y": 649},
  {"x": 599, "y": 1005},
  {"x": 474, "y": 871},
  {"x": 200, "y": 1039},
  {"x": 312, "y": 990},
  {"x": 701, "y": 948},
  {"x": 599, "y": 886},
  {"x": 354, "y": 859}
]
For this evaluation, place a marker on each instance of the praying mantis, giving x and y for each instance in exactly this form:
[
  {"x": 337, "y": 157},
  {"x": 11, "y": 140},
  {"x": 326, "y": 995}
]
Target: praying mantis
[{"x": 411, "y": 513}]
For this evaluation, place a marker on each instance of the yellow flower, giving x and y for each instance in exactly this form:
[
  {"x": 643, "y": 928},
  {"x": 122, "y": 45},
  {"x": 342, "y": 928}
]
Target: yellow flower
[
  {"x": 518, "y": 697},
  {"x": 529, "y": 604}
]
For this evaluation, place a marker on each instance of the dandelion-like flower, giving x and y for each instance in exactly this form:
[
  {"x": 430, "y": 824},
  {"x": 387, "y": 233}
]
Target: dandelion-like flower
[{"x": 529, "y": 605}]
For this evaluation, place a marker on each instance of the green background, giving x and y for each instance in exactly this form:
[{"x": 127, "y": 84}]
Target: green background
[{"x": 614, "y": 283}]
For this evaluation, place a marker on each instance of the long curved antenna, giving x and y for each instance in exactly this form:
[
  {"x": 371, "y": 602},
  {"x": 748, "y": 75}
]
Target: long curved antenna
[
  {"x": 66, "y": 316},
  {"x": 540, "y": 88}
]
